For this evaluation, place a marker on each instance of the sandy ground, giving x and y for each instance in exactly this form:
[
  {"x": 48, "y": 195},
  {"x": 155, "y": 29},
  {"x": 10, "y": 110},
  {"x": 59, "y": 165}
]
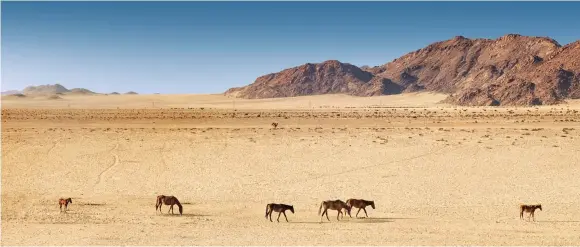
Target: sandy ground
[{"x": 439, "y": 175}]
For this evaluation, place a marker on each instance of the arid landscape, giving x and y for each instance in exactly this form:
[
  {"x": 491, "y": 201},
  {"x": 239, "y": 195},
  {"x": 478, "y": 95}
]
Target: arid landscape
[{"x": 439, "y": 174}]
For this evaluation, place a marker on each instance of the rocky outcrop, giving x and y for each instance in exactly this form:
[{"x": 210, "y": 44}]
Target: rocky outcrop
[
  {"x": 510, "y": 70},
  {"x": 329, "y": 77}
]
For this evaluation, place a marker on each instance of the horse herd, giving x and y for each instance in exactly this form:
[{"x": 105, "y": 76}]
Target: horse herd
[{"x": 337, "y": 205}]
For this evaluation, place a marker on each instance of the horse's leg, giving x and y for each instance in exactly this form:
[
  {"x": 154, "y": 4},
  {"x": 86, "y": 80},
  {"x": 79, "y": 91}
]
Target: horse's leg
[
  {"x": 278, "y": 219},
  {"x": 366, "y": 212},
  {"x": 271, "y": 215},
  {"x": 326, "y": 211},
  {"x": 285, "y": 216},
  {"x": 60, "y": 208},
  {"x": 338, "y": 214},
  {"x": 358, "y": 212}
]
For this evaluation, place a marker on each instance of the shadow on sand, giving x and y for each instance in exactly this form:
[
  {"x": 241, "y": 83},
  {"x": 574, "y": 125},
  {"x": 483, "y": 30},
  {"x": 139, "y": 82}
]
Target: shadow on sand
[
  {"x": 304, "y": 222},
  {"x": 353, "y": 220},
  {"x": 185, "y": 215},
  {"x": 559, "y": 221}
]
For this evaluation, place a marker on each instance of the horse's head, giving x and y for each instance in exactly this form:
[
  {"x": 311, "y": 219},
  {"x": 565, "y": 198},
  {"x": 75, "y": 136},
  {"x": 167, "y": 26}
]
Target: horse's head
[
  {"x": 69, "y": 200},
  {"x": 540, "y": 207},
  {"x": 373, "y": 204},
  {"x": 292, "y": 208}
]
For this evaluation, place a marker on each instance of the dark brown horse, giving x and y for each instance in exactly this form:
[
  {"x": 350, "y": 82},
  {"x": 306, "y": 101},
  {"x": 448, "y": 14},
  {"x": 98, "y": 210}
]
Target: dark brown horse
[
  {"x": 337, "y": 205},
  {"x": 280, "y": 208},
  {"x": 64, "y": 202},
  {"x": 360, "y": 204},
  {"x": 170, "y": 201},
  {"x": 529, "y": 209}
]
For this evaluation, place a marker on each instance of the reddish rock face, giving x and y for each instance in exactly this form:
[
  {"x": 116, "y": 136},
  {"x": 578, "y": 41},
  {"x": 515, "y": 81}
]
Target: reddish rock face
[
  {"x": 310, "y": 79},
  {"x": 511, "y": 70}
]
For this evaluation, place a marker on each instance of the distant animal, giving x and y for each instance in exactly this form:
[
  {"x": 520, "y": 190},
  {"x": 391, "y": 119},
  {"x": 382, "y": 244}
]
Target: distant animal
[
  {"x": 170, "y": 201},
  {"x": 360, "y": 204},
  {"x": 275, "y": 125},
  {"x": 280, "y": 208},
  {"x": 337, "y": 205},
  {"x": 64, "y": 202},
  {"x": 529, "y": 209}
]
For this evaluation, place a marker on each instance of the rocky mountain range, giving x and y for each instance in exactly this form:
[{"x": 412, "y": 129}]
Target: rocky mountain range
[
  {"x": 54, "y": 89},
  {"x": 510, "y": 70}
]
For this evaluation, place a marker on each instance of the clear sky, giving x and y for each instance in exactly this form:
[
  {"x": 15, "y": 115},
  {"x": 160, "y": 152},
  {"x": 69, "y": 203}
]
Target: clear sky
[{"x": 208, "y": 47}]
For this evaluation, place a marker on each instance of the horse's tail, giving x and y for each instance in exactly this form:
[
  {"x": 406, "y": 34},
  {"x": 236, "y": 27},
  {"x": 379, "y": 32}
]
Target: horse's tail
[
  {"x": 320, "y": 208},
  {"x": 179, "y": 205},
  {"x": 159, "y": 202},
  {"x": 267, "y": 207}
]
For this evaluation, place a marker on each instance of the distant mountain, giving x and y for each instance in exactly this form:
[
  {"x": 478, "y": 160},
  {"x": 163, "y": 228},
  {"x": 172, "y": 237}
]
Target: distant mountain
[
  {"x": 323, "y": 78},
  {"x": 50, "y": 90},
  {"x": 45, "y": 89},
  {"x": 131, "y": 92},
  {"x": 510, "y": 70},
  {"x": 80, "y": 91},
  {"x": 11, "y": 92}
]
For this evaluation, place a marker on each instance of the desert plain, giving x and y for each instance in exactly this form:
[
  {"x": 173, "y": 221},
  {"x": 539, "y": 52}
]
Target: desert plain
[{"x": 439, "y": 174}]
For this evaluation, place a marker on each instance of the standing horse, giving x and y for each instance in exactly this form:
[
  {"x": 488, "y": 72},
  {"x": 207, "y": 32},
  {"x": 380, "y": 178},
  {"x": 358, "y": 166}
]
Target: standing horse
[
  {"x": 64, "y": 202},
  {"x": 529, "y": 209},
  {"x": 280, "y": 208},
  {"x": 337, "y": 205},
  {"x": 360, "y": 204},
  {"x": 170, "y": 201}
]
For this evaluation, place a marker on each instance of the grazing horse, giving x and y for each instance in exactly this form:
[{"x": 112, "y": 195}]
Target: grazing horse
[
  {"x": 337, "y": 205},
  {"x": 170, "y": 201},
  {"x": 360, "y": 204},
  {"x": 275, "y": 125},
  {"x": 529, "y": 209},
  {"x": 64, "y": 202},
  {"x": 280, "y": 208}
]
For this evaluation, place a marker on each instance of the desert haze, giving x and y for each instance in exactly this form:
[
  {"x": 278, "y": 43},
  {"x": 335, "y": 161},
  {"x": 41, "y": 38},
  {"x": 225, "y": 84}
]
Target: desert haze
[{"x": 439, "y": 174}]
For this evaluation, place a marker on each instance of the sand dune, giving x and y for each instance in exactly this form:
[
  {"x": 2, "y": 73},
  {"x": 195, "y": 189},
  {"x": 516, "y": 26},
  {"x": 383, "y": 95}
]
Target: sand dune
[{"x": 440, "y": 175}]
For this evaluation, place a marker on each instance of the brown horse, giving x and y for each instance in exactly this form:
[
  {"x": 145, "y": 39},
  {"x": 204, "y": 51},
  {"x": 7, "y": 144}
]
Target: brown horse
[
  {"x": 529, "y": 209},
  {"x": 170, "y": 201},
  {"x": 280, "y": 208},
  {"x": 64, "y": 202},
  {"x": 360, "y": 204},
  {"x": 337, "y": 205}
]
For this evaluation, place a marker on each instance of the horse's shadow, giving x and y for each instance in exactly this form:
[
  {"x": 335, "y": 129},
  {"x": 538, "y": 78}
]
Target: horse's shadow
[
  {"x": 302, "y": 222},
  {"x": 373, "y": 220},
  {"x": 184, "y": 215},
  {"x": 385, "y": 218},
  {"x": 558, "y": 221}
]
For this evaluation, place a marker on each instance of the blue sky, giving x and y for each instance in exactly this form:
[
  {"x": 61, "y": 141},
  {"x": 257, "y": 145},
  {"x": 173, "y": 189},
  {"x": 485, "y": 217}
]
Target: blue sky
[{"x": 208, "y": 47}]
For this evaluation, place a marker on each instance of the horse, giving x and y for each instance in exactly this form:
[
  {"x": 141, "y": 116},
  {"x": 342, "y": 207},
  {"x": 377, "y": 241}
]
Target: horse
[
  {"x": 529, "y": 209},
  {"x": 280, "y": 208},
  {"x": 275, "y": 125},
  {"x": 64, "y": 202},
  {"x": 170, "y": 201},
  {"x": 337, "y": 205},
  {"x": 360, "y": 204}
]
